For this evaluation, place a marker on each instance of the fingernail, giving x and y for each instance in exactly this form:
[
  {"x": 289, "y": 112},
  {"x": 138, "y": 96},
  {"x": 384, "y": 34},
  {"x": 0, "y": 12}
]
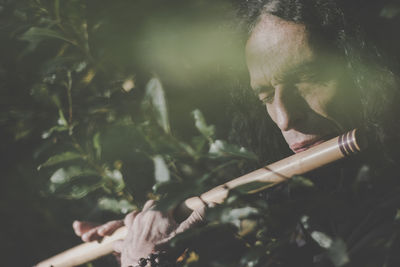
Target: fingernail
[
  {"x": 101, "y": 231},
  {"x": 85, "y": 237}
]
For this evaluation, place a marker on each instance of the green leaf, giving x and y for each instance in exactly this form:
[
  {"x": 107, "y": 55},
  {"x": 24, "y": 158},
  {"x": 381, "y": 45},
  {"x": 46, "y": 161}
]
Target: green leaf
[
  {"x": 58, "y": 128},
  {"x": 390, "y": 11},
  {"x": 161, "y": 172},
  {"x": 322, "y": 239},
  {"x": 235, "y": 215},
  {"x": 117, "y": 177},
  {"x": 61, "y": 121},
  {"x": 74, "y": 182},
  {"x": 253, "y": 187},
  {"x": 338, "y": 253},
  {"x": 207, "y": 131},
  {"x": 36, "y": 35},
  {"x": 174, "y": 192},
  {"x": 114, "y": 205},
  {"x": 63, "y": 157},
  {"x": 155, "y": 94},
  {"x": 78, "y": 192},
  {"x": 221, "y": 148},
  {"x": 97, "y": 145},
  {"x": 64, "y": 175},
  {"x": 300, "y": 181}
]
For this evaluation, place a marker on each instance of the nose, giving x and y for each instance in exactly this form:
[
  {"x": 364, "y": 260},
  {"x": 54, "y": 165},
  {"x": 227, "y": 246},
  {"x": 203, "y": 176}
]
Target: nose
[{"x": 287, "y": 109}]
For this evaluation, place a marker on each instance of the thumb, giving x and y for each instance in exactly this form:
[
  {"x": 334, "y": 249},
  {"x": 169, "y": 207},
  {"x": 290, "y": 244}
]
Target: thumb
[{"x": 196, "y": 218}]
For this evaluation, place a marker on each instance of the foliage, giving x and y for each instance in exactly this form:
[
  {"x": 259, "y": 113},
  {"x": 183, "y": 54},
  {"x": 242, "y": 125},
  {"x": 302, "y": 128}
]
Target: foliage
[{"x": 92, "y": 125}]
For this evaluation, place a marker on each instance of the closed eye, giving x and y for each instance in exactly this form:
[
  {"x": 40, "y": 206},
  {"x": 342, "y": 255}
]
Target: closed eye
[{"x": 266, "y": 98}]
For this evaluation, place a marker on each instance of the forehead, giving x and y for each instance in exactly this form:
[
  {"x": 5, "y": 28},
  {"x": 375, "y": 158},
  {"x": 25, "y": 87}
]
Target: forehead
[{"x": 274, "y": 47}]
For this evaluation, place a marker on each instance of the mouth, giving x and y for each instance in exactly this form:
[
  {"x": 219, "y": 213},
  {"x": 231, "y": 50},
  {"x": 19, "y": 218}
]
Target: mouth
[{"x": 304, "y": 145}]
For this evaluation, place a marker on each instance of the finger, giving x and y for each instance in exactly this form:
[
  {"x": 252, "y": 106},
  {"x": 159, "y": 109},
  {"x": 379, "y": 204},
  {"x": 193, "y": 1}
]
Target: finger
[
  {"x": 196, "y": 218},
  {"x": 81, "y": 227},
  {"x": 130, "y": 217},
  {"x": 91, "y": 235},
  {"x": 110, "y": 227},
  {"x": 149, "y": 203},
  {"x": 117, "y": 246}
]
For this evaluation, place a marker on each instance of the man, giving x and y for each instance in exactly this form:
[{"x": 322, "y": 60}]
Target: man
[{"x": 316, "y": 78}]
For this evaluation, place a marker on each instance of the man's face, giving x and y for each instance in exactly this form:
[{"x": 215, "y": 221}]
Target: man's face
[{"x": 302, "y": 89}]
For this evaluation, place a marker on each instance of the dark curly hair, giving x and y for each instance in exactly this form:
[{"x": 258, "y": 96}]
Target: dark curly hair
[{"x": 339, "y": 24}]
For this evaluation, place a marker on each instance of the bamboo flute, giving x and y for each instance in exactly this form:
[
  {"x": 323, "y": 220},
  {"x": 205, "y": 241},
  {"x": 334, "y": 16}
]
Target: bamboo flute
[{"x": 320, "y": 155}]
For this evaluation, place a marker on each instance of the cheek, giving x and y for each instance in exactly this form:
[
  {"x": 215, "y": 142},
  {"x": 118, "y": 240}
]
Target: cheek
[{"x": 271, "y": 111}]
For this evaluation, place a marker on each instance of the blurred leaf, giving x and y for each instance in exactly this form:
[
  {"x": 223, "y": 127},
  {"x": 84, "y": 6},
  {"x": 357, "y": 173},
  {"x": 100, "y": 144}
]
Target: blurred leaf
[
  {"x": 63, "y": 157},
  {"x": 175, "y": 192},
  {"x": 114, "y": 205},
  {"x": 61, "y": 121},
  {"x": 58, "y": 128},
  {"x": 97, "y": 145},
  {"x": 234, "y": 216},
  {"x": 161, "y": 172},
  {"x": 78, "y": 192},
  {"x": 253, "y": 187},
  {"x": 322, "y": 239},
  {"x": 117, "y": 177},
  {"x": 390, "y": 11},
  {"x": 337, "y": 252},
  {"x": 208, "y": 131},
  {"x": 252, "y": 257},
  {"x": 155, "y": 93},
  {"x": 222, "y": 148},
  {"x": 300, "y": 181},
  {"x": 63, "y": 176},
  {"x": 397, "y": 216},
  {"x": 35, "y": 35}
]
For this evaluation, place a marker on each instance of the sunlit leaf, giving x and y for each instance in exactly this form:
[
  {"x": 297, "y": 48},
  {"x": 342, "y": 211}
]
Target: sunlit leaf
[
  {"x": 207, "y": 131},
  {"x": 59, "y": 158},
  {"x": 97, "y": 145},
  {"x": 161, "y": 172},
  {"x": 117, "y": 177},
  {"x": 322, "y": 239},
  {"x": 78, "y": 192},
  {"x": 58, "y": 128},
  {"x": 64, "y": 175},
  {"x": 235, "y": 215},
  {"x": 300, "y": 181},
  {"x": 155, "y": 93},
  {"x": 222, "y": 148},
  {"x": 63, "y": 178},
  {"x": 114, "y": 205},
  {"x": 337, "y": 252}
]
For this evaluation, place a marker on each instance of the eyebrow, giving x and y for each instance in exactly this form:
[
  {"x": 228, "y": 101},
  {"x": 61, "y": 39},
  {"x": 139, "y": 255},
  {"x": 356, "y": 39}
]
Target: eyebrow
[{"x": 301, "y": 69}]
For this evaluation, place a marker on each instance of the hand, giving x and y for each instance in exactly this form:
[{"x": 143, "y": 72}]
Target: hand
[
  {"x": 149, "y": 231},
  {"x": 90, "y": 231}
]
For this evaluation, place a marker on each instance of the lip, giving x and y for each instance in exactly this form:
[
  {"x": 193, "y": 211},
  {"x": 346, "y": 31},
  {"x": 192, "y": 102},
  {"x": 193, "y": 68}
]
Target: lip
[{"x": 304, "y": 145}]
